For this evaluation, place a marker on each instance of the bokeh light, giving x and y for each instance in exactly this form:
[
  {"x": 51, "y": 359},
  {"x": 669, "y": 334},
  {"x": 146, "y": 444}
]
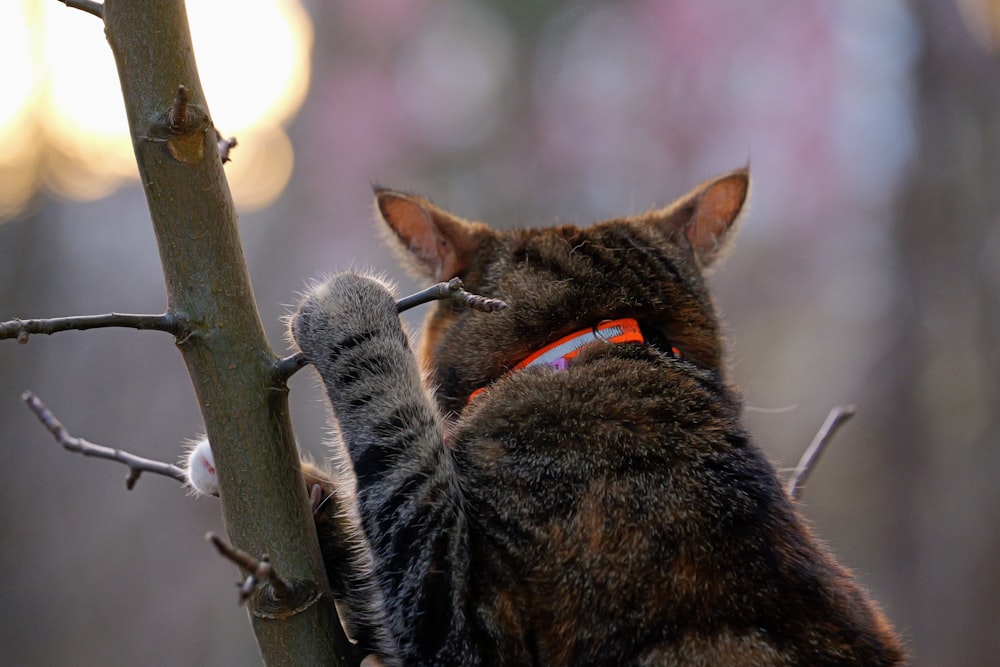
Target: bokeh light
[
  {"x": 20, "y": 84},
  {"x": 866, "y": 270},
  {"x": 63, "y": 123}
]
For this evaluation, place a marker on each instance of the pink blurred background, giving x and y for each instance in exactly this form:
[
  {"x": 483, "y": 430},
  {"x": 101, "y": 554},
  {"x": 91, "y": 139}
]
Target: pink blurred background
[{"x": 867, "y": 271}]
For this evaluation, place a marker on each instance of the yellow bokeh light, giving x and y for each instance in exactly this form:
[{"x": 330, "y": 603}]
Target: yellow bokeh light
[
  {"x": 259, "y": 175},
  {"x": 82, "y": 89},
  {"x": 255, "y": 73},
  {"x": 81, "y": 107},
  {"x": 63, "y": 123},
  {"x": 18, "y": 78},
  {"x": 19, "y": 81}
]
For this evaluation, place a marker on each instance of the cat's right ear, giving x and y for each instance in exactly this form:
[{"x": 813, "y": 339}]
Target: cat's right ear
[
  {"x": 435, "y": 243},
  {"x": 705, "y": 219}
]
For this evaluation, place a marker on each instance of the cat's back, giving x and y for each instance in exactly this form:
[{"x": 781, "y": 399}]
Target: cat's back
[
  {"x": 620, "y": 515},
  {"x": 581, "y": 498}
]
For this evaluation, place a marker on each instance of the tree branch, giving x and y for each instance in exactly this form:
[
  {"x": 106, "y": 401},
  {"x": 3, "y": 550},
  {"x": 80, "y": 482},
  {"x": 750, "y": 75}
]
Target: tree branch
[
  {"x": 260, "y": 569},
  {"x": 834, "y": 420},
  {"x": 136, "y": 464},
  {"x": 230, "y": 360},
  {"x": 22, "y": 329},
  {"x": 450, "y": 290},
  {"x": 95, "y": 8}
]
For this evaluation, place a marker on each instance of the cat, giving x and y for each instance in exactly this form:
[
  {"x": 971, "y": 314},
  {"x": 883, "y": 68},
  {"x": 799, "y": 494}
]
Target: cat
[{"x": 565, "y": 482}]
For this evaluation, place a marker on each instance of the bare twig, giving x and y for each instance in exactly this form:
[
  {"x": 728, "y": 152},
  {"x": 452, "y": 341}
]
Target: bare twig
[
  {"x": 834, "y": 420},
  {"x": 21, "y": 329},
  {"x": 95, "y": 8},
  {"x": 136, "y": 464},
  {"x": 260, "y": 570},
  {"x": 450, "y": 290},
  {"x": 226, "y": 145},
  {"x": 289, "y": 366}
]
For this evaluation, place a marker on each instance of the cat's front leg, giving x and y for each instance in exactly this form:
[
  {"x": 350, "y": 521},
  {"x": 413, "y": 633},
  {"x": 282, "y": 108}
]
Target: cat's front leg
[
  {"x": 349, "y": 329},
  {"x": 408, "y": 497}
]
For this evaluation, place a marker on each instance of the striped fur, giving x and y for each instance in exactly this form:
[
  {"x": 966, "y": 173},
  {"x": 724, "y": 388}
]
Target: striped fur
[{"x": 615, "y": 513}]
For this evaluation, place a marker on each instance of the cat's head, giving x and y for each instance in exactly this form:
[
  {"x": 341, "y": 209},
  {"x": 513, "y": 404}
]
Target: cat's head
[{"x": 558, "y": 280}]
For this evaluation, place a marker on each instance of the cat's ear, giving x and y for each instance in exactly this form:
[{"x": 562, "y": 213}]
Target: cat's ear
[
  {"x": 435, "y": 243},
  {"x": 705, "y": 218}
]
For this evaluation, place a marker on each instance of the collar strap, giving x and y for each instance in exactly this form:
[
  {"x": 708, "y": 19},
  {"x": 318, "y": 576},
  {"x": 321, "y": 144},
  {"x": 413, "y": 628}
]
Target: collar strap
[{"x": 558, "y": 354}]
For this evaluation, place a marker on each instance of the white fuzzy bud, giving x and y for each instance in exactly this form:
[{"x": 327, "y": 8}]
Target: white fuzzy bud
[{"x": 200, "y": 467}]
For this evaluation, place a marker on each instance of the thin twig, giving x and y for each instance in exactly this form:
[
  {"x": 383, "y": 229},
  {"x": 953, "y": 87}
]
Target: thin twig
[
  {"x": 260, "y": 570},
  {"x": 95, "y": 8},
  {"x": 450, "y": 290},
  {"x": 834, "y": 421},
  {"x": 21, "y": 329},
  {"x": 136, "y": 464}
]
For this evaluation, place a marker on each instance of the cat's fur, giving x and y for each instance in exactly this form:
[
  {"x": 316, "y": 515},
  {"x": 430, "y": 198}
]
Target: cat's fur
[{"x": 613, "y": 513}]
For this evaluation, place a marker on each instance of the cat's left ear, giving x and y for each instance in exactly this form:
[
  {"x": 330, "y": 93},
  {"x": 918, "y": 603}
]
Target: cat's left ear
[
  {"x": 435, "y": 244},
  {"x": 706, "y": 217}
]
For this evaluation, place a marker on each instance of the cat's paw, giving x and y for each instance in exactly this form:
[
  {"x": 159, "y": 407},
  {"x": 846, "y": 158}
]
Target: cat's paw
[{"x": 341, "y": 309}]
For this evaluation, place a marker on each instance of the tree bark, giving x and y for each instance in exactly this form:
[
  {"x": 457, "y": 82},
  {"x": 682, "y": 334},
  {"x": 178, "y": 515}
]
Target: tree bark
[{"x": 243, "y": 401}]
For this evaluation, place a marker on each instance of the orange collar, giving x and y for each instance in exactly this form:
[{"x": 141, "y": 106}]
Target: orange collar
[{"x": 557, "y": 354}]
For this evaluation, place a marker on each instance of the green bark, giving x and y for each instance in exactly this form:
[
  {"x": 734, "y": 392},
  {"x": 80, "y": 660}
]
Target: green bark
[{"x": 230, "y": 361}]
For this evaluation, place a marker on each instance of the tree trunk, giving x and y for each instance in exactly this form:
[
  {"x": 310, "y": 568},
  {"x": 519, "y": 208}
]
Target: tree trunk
[{"x": 243, "y": 402}]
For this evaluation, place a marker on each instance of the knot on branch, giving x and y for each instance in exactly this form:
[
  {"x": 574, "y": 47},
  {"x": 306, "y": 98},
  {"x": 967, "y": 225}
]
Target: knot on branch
[
  {"x": 274, "y": 596},
  {"x": 284, "y": 602},
  {"x": 182, "y": 128},
  {"x": 177, "y": 117}
]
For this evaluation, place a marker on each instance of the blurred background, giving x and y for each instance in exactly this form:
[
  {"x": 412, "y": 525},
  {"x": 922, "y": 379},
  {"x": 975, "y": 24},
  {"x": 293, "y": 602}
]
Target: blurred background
[{"x": 867, "y": 270}]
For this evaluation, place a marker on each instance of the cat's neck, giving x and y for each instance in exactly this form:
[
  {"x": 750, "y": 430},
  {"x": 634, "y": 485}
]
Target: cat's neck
[{"x": 559, "y": 353}]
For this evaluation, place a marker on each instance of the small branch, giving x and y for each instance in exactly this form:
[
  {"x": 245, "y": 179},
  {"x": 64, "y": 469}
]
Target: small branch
[
  {"x": 21, "y": 329},
  {"x": 289, "y": 366},
  {"x": 136, "y": 464},
  {"x": 450, "y": 290},
  {"x": 95, "y": 8},
  {"x": 226, "y": 145},
  {"x": 834, "y": 420},
  {"x": 260, "y": 569}
]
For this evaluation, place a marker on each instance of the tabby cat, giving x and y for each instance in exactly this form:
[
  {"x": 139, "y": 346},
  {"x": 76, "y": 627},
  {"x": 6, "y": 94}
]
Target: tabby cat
[{"x": 601, "y": 504}]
